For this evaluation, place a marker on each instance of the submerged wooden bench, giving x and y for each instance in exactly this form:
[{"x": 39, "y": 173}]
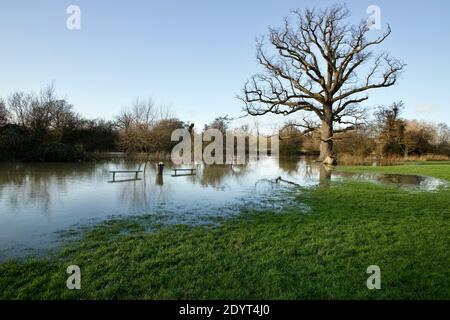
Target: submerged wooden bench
[
  {"x": 136, "y": 172},
  {"x": 191, "y": 170}
]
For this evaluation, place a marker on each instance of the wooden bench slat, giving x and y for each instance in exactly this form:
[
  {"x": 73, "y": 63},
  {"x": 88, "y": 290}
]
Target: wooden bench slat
[
  {"x": 190, "y": 170},
  {"x": 136, "y": 172}
]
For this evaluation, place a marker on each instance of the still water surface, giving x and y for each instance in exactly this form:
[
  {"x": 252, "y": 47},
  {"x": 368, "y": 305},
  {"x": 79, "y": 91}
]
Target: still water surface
[{"x": 39, "y": 199}]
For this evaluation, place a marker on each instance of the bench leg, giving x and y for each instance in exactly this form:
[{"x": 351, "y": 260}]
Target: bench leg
[
  {"x": 114, "y": 176},
  {"x": 136, "y": 175}
]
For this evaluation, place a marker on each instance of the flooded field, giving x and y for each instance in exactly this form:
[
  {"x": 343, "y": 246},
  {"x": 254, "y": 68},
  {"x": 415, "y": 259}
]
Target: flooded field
[{"x": 39, "y": 199}]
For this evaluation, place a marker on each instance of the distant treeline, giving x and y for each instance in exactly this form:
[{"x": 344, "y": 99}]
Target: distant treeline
[{"x": 44, "y": 127}]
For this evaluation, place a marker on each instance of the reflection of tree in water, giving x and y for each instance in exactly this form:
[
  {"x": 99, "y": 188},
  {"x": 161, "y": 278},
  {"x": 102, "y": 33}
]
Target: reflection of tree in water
[
  {"x": 325, "y": 175},
  {"x": 151, "y": 190},
  {"x": 215, "y": 174},
  {"x": 311, "y": 169},
  {"x": 37, "y": 184},
  {"x": 307, "y": 167},
  {"x": 289, "y": 165},
  {"x": 134, "y": 193}
]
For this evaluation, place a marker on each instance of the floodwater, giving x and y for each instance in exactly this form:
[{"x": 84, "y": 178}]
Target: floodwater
[{"x": 39, "y": 199}]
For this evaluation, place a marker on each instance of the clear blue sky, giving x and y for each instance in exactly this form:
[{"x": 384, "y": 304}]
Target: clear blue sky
[{"x": 196, "y": 55}]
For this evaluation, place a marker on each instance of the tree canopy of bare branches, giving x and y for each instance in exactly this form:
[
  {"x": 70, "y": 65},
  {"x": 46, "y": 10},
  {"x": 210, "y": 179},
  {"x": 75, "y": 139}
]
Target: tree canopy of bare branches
[
  {"x": 320, "y": 65},
  {"x": 3, "y": 113},
  {"x": 41, "y": 113},
  {"x": 145, "y": 126}
]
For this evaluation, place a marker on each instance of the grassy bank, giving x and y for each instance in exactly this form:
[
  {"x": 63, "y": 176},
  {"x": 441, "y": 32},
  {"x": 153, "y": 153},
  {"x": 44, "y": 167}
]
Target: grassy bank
[
  {"x": 437, "y": 169},
  {"x": 319, "y": 253}
]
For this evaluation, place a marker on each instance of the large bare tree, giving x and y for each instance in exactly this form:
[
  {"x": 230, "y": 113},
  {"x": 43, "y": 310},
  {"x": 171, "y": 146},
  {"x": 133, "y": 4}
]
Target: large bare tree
[{"x": 322, "y": 66}]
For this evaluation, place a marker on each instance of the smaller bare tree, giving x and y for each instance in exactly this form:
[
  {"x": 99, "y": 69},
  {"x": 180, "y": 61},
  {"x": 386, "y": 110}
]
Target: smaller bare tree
[
  {"x": 137, "y": 123},
  {"x": 41, "y": 114},
  {"x": 19, "y": 104}
]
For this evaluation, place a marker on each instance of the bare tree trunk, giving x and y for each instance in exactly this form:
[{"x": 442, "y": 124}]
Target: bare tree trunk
[{"x": 326, "y": 138}]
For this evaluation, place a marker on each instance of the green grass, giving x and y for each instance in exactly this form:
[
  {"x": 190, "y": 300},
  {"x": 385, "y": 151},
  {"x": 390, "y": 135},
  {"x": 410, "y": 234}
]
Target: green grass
[
  {"x": 437, "y": 169},
  {"x": 321, "y": 253}
]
